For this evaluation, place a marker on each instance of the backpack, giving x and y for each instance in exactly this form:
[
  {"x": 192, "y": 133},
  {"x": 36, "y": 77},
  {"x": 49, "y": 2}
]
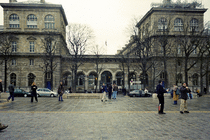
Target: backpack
[{"x": 177, "y": 92}]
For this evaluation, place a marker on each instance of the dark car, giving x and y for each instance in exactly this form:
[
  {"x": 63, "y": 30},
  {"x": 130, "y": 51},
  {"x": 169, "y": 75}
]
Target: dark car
[
  {"x": 138, "y": 93},
  {"x": 21, "y": 93}
]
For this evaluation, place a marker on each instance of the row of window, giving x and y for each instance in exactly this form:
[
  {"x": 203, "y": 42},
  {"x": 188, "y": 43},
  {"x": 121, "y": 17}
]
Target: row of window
[
  {"x": 14, "y": 21},
  {"x": 178, "y": 25},
  {"x": 13, "y": 62},
  {"x": 31, "y": 46},
  {"x": 31, "y": 78}
]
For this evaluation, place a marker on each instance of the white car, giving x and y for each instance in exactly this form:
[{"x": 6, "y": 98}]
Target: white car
[{"x": 46, "y": 92}]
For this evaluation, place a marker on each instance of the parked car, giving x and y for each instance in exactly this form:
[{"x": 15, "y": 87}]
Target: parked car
[
  {"x": 46, "y": 92},
  {"x": 139, "y": 93},
  {"x": 20, "y": 93}
]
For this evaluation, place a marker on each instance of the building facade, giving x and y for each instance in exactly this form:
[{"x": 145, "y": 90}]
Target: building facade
[{"x": 40, "y": 53}]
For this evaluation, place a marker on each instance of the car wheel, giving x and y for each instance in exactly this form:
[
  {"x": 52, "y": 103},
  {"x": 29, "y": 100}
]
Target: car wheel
[
  {"x": 25, "y": 95},
  {"x": 37, "y": 95},
  {"x": 134, "y": 95},
  {"x": 51, "y": 95}
]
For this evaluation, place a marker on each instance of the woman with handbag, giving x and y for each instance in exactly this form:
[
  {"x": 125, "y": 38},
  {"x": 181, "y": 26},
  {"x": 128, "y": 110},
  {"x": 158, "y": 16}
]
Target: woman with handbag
[
  {"x": 33, "y": 92},
  {"x": 60, "y": 91}
]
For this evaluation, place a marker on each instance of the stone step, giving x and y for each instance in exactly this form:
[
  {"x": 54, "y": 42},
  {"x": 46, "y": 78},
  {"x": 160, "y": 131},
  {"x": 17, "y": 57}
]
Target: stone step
[{"x": 82, "y": 96}]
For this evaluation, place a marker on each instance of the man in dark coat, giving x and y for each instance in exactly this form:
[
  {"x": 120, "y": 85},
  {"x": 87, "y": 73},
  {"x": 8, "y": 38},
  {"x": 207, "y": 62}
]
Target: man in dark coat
[
  {"x": 110, "y": 91},
  {"x": 11, "y": 91},
  {"x": 183, "y": 106},
  {"x": 160, "y": 95}
]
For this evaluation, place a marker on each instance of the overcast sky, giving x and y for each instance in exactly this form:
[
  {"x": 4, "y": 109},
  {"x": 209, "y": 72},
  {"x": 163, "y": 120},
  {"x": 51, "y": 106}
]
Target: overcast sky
[{"x": 108, "y": 18}]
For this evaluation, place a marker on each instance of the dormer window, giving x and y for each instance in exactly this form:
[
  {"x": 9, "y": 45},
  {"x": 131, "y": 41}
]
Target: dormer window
[
  {"x": 14, "y": 21},
  {"x": 32, "y": 21},
  {"x": 49, "y": 22}
]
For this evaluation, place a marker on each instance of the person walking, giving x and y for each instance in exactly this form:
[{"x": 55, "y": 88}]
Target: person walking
[
  {"x": 110, "y": 91},
  {"x": 11, "y": 91},
  {"x": 60, "y": 91},
  {"x": 104, "y": 91},
  {"x": 183, "y": 106},
  {"x": 115, "y": 90},
  {"x": 160, "y": 95},
  {"x": 176, "y": 93},
  {"x": 1, "y": 88},
  {"x": 33, "y": 92}
]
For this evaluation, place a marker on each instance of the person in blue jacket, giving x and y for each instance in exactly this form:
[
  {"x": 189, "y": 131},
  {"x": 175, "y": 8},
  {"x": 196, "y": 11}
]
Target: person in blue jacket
[{"x": 104, "y": 91}]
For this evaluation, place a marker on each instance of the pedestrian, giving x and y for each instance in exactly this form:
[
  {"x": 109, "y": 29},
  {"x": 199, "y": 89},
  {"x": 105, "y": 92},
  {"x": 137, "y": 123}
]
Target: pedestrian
[
  {"x": 183, "y": 106},
  {"x": 176, "y": 93},
  {"x": 60, "y": 91},
  {"x": 1, "y": 88},
  {"x": 11, "y": 91},
  {"x": 70, "y": 90},
  {"x": 146, "y": 92},
  {"x": 104, "y": 91},
  {"x": 204, "y": 90},
  {"x": 160, "y": 95},
  {"x": 110, "y": 91},
  {"x": 115, "y": 90},
  {"x": 33, "y": 92},
  {"x": 3, "y": 126}
]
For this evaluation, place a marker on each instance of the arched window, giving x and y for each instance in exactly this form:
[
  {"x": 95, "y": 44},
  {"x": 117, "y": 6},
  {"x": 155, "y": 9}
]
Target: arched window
[
  {"x": 195, "y": 79},
  {"x": 13, "y": 78},
  {"x": 49, "y": 22},
  {"x": 179, "y": 49},
  {"x": 14, "y": 21},
  {"x": 194, "y": 25},
  {"x": 162, "y": 24},
  {"x": 32, "y": 21},
  {"x": 31, "y": 78},
  {"x": 178, "y": 24}
]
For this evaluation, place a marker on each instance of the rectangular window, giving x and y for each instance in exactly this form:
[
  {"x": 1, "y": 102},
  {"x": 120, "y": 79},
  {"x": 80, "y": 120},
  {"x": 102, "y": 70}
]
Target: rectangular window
[
  {"x": 31, "y": 46},
  {"x": 48, "y": 75},
  {"x": 14, "y": 46},
  {"x": 13, "y": 62},
  {"x": 31, "y": 62}
]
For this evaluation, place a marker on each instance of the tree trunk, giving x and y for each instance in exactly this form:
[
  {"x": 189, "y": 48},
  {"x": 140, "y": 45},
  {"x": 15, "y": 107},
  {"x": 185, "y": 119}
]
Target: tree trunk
[
  {"x": 201, "y": 75},
  {"x": 5, "y": 75}
]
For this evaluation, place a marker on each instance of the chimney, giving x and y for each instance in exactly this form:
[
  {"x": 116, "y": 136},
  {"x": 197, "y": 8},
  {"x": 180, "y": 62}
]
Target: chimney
[
  {"x": 10, "y": 1},
  {"x": 42, "y": 1}
]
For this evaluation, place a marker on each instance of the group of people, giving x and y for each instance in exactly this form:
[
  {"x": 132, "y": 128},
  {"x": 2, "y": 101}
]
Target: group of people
[
  {"x": 111, "y": 90},
  {"x": 183, "y": 92}
]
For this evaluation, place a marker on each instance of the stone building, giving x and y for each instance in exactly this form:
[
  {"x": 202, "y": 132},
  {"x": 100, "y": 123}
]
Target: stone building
[
  {"x": 162, "y": 30},
  {"x": 35, "y": 25},
  {"x": 40, "y": 26}
]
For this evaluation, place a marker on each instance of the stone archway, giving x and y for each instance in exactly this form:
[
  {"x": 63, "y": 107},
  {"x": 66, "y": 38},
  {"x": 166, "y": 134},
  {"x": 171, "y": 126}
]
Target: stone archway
[
  {"x": 67, "y": 79},
  {"x": 106, "y": 77}
]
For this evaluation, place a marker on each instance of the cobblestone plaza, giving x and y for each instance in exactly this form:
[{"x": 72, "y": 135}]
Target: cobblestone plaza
[{"x": 90, "y": 119}]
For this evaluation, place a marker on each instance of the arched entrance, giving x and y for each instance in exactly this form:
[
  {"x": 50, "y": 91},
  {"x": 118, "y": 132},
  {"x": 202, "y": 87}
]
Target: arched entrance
[{"x": 106, "y": 77}]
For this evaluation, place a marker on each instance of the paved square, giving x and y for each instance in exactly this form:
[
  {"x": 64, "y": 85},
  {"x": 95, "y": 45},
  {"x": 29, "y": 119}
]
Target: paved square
[{"x": 90, "y": 119}]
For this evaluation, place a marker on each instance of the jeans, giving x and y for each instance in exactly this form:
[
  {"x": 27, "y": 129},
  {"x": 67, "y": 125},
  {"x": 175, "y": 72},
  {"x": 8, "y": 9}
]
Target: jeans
[
  {"x": 60, "y": 98},
  {"x": 11, "y": 96},
  {"x": 114, "y": 94}
]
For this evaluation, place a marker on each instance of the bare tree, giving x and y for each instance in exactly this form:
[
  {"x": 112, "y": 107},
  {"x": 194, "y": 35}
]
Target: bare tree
[
  {"x": 6, "y": 50},
  {"x": 78, "y": 38},
  {"x": 98, "y": 51},
  {"x": 48, "y": 44}
]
